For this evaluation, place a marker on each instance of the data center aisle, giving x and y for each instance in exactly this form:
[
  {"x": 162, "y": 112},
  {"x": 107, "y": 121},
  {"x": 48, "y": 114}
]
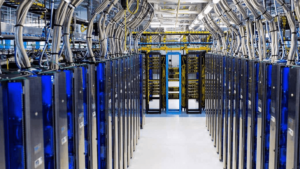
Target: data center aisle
[{"x": 175, "y": 143}]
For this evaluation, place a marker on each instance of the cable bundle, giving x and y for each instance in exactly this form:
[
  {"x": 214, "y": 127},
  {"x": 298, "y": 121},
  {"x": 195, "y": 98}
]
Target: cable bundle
[
  {"x": 66, "y": 28},
  {"x": 89, "y": 39},
  {"x": 57, "y": 29},
  {"x": 22, "y": 59},
  {"x": 139, "y": 34}
]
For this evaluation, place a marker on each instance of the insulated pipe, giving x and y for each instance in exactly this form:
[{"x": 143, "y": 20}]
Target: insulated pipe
[
  {"x": 66, "y": 28},
  {"x": 22, "y": 59}
]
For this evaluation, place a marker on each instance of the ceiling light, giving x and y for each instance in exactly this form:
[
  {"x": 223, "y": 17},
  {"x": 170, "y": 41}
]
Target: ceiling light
[
  {"x": 164, "y": 26},
  {"x": 200, "y": 16},
  {"x": 154, "y": 23},
  {"x": 208, "y": 9},
  {"x": 216, "y": 1}
]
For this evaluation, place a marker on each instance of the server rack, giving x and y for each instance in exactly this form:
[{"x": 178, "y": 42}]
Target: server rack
[
  {"x": 55, "y": 119},
  {"x": 109, "y": 114},
  {"x": 75, "y": 104},
  {"x": 261, "y": 115},
  {"x": 243, "y": 99},
  {"x": 217, "y": 102},
  {"x": 195, "y": 64},
  {"x": 284, "y": 116},
  {"x": 230, "y": 69},
  {"x": 251, "y": 113},
  {"x": 292, "y": 149},
  {"x": 23, "y": 122},
  {"x": 225, "y": 111},
  {"x": 2, "y": 138},
  {"x": 221, "y": 104},
  {"x": 236, "y": 114},
  {"x": 92, "y": 117},
  {"x": 153, "y": 86},
  {"x": 141, "y": 92},
  {"x": 121, "y": 114},
  {"x": 115, "y": 113},
  {"x": 102, "y": 117},
  {"x": 275, "y": 108}
]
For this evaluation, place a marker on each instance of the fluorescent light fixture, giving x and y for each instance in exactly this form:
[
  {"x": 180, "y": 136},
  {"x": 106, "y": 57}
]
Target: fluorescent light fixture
[
  {"x": 216, "y": 1},
  {"x": 164, "y": 26},
  {"x": 200, "y": 16},
  {"x": 208, "y": 9},
  {"x": 155, "y": 23}
]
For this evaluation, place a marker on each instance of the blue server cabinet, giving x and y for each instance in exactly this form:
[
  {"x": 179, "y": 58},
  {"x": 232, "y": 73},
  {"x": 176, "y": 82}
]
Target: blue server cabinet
[
  {"x": 23, "y": 120},
  {"x": 75, "y": 102},
  {"x": 2, "y": 140},
  {"x": 267, "y": 116},
  {"x": 101, "y": 116},
  {"x": 55, "y": 120}
]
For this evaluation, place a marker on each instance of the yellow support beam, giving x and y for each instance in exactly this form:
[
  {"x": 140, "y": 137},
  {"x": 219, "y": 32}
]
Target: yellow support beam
[
  {"x": 176, "y": 33},
  {"x": 148, "y": 49}
]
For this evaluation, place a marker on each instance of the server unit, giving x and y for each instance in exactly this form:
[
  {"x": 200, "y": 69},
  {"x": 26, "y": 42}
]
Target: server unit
[
  {"x": 92, "y": 117},
  {"x": 102, "y": 142},
  {"x": 75, "y": 102},
  {"x": 2, "y": 138},
  {"x": 292, "y": 149},
  {"x": 55, "y": 120},
  {"x": 23, "y": 119}
]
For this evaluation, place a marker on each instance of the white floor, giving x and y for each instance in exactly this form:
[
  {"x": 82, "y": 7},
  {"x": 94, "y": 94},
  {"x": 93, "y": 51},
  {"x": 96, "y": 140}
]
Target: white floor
[{"x": 175, "y": 143}]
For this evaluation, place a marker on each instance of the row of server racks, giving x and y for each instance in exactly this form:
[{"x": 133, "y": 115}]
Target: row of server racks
[
  {"x": 192, "y": 81},
  {"x": 252, "y": 110},
  {"x": 83, "y": 117}
]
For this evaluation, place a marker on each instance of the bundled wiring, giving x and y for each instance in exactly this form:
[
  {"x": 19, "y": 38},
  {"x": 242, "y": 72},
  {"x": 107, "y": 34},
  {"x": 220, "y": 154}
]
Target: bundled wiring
[
  {"x": 21, "y": 56},
  {"x": 57, "y": 32},
  {"x": 292, "y": 25},
  {"x": 89, "y": 38},
  {"x": 66, "y": 28},
  {"x": 139, "y": 34}
]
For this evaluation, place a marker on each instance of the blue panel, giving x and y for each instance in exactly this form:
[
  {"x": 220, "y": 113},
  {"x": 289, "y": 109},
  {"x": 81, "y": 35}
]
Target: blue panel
[
  {"x": 86, "y": 132},
  {"x": 283, "y": 118},
  {"x": 71, "y": 137},
  {"x": 268, "y": 116},
  {"x": 47, "y": 87},
  {"x": 13, "y": 116},
  {"x": 101, "y": 116},
  {"x": 7, "y": 44},
  {"x": 37, "y": 45}
]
